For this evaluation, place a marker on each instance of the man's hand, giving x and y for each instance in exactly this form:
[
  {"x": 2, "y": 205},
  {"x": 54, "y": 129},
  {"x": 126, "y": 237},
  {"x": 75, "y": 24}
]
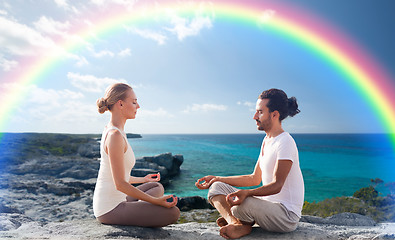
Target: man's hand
[
  {"x": 205, "y": 182},
  {"x": 236, "y": 198}
]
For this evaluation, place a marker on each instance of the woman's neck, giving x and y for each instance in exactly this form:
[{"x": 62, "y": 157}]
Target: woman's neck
[{"x": 117, "y": 122}]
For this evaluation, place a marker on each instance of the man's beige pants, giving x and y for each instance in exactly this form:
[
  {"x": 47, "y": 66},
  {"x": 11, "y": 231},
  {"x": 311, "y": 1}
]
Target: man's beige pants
[{"x": 270, "y": 216}]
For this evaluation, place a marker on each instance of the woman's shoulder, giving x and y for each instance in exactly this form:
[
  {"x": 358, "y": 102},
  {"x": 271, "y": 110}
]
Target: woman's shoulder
[{"x": 114, "y": 134}]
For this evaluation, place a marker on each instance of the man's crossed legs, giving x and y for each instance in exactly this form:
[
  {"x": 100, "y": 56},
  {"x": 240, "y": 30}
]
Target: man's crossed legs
[{"x": 237, "y": 221}]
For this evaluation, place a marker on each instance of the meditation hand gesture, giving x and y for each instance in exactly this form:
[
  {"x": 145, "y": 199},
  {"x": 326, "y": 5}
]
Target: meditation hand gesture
[
  {"x": 205, "y": 182},
  {"x": 236, "y": 198},
  {"x": 152, "y": 177},
  {"x": 168, "y": 201}
]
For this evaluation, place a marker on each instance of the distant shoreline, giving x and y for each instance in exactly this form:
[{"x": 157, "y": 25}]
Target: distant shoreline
[
  {"x": 142, "y": 134},
  {"x": 87, "y": 135}
]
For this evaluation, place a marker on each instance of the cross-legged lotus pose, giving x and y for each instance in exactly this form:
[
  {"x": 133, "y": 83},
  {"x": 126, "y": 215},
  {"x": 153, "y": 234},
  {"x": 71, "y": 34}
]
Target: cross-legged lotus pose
[
  {"x": 115, "y": 200},
  {"x": 277, "y": 204}
]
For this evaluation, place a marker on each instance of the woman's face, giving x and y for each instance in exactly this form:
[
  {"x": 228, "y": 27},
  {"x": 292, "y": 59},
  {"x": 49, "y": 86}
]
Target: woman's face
[{"x": 130, "y": 105}]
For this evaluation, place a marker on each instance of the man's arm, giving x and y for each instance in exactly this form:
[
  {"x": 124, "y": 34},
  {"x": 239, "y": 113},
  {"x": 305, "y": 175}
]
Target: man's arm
[
  {"x": 238, "y": 181},
  {"x": 280, "y": 175}
]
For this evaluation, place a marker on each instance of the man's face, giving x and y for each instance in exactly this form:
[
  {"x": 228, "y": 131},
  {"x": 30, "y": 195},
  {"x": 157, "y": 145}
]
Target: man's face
[{"x": 262, "y": 116}]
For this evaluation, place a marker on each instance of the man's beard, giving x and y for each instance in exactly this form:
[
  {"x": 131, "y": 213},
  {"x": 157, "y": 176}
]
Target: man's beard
[{"x": 265, "y": 125}]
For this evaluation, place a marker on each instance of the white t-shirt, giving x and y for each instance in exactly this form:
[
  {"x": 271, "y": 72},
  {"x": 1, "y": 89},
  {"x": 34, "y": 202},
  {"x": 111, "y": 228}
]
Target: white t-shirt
[
  {"x": 283, "y": 147},
  {"x": 106, "y": 197}
]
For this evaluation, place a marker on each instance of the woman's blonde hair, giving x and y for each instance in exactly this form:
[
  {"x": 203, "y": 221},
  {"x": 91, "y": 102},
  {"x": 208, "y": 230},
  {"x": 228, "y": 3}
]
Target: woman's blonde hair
[{"x": 114, "y": 93}]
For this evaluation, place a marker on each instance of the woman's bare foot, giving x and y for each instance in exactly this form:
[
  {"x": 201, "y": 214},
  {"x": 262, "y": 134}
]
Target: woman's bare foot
[
  {"x": 232, "y": 231},
  {"x": 221, "y": 222}
]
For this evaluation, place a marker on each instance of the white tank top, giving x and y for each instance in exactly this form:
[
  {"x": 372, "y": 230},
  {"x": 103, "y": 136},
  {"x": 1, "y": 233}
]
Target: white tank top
[{"x": 106, "y": 197}]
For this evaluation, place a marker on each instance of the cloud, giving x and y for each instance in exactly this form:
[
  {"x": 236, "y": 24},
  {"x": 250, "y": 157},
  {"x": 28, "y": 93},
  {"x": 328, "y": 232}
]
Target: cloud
[
  {"x": 267, "y": 15},
  {"x": 61, "y": 3},
  {"x": 90, "y": 83},
  {"x": 45, "y": 99},
  {"x": 6, "y": 64},
  {"x": 103, "y": 53},
  {"x": 2, "y": 12},
  {"x": 184, "y": 27},
  {"x": 149, "y": 34},
  {"x": 65, "y": 5},
  {"x": 51, "y": 96},
  {"x": 125, "y": 52},
  {"x": 107, "y": 53},
  {"x": 53, "y": 106},
  {"x": 204, "y": 108},
  {"x": 250, "y": 105},
  {"x": 50, "y": 26},
  {"x": 74, "y": 112},
  {"x": 20, "y": 39},
  {"x": 126, "y": 3},
  {"x": 246, "y": 103}
]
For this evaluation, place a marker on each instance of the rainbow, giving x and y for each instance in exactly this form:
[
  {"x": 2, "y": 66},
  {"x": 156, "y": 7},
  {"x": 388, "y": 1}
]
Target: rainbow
[{"x": 359, "y": 69}]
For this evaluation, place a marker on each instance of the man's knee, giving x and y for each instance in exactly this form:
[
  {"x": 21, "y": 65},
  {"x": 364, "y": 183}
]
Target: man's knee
[
  {"x": 216, "y": 189},
  {"x": 244, "y": 211},
  {"x": 215, "y": 186}
]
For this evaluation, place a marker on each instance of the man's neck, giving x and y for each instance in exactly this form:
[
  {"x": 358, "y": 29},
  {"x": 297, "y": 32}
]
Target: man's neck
[{"x": 274, "y": 131}]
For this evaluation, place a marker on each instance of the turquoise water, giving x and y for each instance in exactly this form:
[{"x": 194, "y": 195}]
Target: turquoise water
[{"x": 332, "y": 164}]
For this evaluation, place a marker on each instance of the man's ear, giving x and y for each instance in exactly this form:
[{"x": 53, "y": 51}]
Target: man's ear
[{"x": 275, "y": 114}]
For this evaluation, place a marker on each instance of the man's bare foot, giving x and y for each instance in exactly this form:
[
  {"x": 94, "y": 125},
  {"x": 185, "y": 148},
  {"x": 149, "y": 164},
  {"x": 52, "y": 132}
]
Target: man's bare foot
[
  {"x": 232, "y": 231},
  {"x": 221, "y": 222}
]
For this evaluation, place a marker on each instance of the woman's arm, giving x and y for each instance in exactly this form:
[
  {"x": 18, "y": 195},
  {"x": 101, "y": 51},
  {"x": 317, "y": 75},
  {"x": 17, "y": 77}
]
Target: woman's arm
[
  {"x": 149, "y": 178},
  {"x": 116, "y": 145}
]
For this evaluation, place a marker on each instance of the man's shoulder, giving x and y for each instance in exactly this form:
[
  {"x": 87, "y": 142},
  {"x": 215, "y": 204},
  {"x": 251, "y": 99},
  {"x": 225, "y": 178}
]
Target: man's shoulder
[{"x": 286, "y": 138}]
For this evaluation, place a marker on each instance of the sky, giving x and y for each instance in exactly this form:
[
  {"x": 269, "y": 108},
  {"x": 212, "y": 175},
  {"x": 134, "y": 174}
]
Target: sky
[{"x": 191, "y": 74}]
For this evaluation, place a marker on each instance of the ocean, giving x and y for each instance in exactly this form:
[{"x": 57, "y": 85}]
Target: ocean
[{"x": 333, "y": 165}]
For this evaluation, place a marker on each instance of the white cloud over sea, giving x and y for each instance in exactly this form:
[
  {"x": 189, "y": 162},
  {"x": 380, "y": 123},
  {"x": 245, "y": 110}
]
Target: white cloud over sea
[
  {"x": 90, "y": 83},
  {"x": 206, "y": 107}
]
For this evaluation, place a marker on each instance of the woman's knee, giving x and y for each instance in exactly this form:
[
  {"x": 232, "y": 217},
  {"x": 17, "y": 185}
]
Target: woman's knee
[
  {"x": 174, "y": 215},
  {"x": 155, "y": 188}
]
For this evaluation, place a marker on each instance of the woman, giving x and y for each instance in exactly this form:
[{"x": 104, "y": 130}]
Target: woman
[{"x": 115, "y": 200}]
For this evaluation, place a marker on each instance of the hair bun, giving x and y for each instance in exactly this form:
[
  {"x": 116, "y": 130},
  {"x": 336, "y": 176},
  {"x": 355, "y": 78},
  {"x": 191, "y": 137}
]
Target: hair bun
[
  {"x": 101, "y": 105},
  {"x": 292, "y": 107}
]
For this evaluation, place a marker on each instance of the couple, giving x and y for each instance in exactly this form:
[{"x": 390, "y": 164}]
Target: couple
[{"x": 275, "y": 206}]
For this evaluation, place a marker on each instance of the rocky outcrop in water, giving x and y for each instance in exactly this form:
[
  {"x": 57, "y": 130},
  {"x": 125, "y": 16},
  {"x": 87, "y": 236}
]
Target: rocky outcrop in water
[{"x": 167, "y": 164}]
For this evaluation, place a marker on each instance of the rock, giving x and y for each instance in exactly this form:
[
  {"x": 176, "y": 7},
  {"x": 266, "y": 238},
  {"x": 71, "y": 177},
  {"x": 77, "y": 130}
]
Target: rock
[
  {"x": 164, "y": 159},
  {"x": 195, "y": 202},
  {"x": 133, "y": 135},
  {"x": 167, "y": 164},
  {"x": 90, "y": 149},
  {"x": 19, "y": 227},
  {"x": 344, "y": 219}
]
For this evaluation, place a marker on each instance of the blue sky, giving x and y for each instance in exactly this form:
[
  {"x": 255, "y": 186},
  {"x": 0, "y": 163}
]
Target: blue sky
[{"x": 191, "y": 75}]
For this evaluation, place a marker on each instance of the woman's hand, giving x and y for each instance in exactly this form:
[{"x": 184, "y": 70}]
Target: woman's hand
[
  {"x": 236, "y": 198},
  {"x": 205, "y": 182},
  {"x": 152, "y": 177},
  {"x": 168, "y": 201}
]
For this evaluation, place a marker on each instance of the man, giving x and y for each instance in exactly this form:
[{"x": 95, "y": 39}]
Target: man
[{"x": 277, "y": 204}]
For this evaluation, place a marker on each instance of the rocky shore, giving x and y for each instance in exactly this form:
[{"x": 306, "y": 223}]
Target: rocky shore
[
  {"x": 20, "y": 227},
  {"x": 47, "y": 183}
]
